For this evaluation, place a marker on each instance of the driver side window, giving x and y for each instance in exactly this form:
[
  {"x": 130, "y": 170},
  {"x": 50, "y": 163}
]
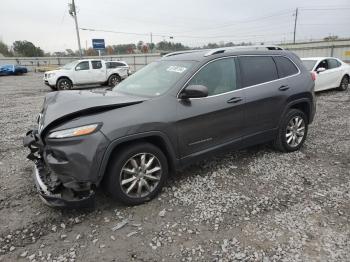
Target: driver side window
[
  {"x": 218, "y": 76},
  {"x": 323, "y": 64},
  {"x": 82, "y": 66}
]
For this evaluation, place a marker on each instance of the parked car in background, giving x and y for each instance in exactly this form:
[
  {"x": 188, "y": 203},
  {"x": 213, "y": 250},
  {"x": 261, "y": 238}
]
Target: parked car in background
[
  {"x": 85, "y": 72},
  {"x": 165, "y": 116},
  {"x": 118, "y": 64},
  {"x": 12, "y": 70},
  {"x": 329, "y": 72}
]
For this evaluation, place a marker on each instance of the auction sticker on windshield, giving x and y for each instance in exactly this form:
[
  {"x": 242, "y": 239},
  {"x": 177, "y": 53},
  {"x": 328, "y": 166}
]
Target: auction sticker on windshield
[{"x": 177, "y": 69}]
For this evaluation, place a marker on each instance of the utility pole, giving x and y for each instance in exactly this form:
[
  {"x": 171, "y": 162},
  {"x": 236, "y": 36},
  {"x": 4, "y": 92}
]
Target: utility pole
[
  {"x": 151, "y": 42},
  {"x": 295, "y": 24},
  {"x": 73, "y": 13}
]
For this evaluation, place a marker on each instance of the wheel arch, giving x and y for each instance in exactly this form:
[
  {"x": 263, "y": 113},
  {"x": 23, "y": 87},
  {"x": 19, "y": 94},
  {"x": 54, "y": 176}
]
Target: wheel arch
[
  {"x": 62, "y": 77},
  {"x": 114, "y": 74},
  {"x": 347, "y": 75},
  {"x": 303, "y": 104},
  {"x": 158, "y": 139}
]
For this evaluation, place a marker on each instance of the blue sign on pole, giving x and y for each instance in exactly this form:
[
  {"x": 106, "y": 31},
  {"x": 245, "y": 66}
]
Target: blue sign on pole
[{"x": 98, "y": 44}]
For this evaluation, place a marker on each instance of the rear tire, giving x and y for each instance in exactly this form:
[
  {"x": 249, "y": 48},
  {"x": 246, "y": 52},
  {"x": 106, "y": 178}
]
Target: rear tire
[
  {"x": 344, "y": 84},
  {"x": 114, "y": 80},
  {"x": 64, "y": 84},
  {"x": 133, "y": 177},
  {"x": 292, "y": 131}
]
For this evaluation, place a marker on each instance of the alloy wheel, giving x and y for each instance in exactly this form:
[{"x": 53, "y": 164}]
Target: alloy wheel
[
  {"x": 64, "y": 85},
  {"x": 295, "y": 131},
  {"x": 344, "y": 83},
  {"x": 140, "y": 175},
  {"x": 114, "y": 80}
]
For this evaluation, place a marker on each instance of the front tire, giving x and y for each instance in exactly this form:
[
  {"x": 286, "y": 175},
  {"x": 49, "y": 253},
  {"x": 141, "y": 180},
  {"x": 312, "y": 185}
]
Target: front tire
[
  {"x": 344, "y": 84},
  {"x": 292, "y": 131},
  {"x": 64, "y": 84},
  {"x": 136, "y": 174}
]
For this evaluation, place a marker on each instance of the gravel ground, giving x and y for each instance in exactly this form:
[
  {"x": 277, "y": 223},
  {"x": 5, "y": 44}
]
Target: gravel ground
[{"x": 251, "y": 205}]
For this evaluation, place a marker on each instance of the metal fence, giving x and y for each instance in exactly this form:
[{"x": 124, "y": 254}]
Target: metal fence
[
  {"x": 135, "y": 61},
  {"x": 337, "y": 48}
]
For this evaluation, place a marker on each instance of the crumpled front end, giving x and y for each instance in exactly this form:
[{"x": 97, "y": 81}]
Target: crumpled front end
[
  {"x": 69, "y": 145},
  {"x": 62, "y": 177}
]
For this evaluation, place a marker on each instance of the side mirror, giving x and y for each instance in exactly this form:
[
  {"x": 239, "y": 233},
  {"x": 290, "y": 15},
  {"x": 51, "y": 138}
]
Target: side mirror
[
  {"x": 320, "y": 70},
  {"x": 194, "y": 91},
  {"x": 77, "y": 68}
]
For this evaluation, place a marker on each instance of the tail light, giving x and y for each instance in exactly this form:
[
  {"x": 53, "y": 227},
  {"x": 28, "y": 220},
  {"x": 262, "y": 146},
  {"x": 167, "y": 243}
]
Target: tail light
[{"x": 313, "y": 76}]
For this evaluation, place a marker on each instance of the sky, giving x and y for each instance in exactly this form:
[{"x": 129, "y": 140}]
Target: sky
[{"x": 47, "y": 23}]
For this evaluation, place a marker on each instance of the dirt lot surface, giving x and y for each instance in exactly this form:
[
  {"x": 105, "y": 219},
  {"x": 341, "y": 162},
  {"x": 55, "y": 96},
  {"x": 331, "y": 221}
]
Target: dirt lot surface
[{"x": 251, "y": 205}]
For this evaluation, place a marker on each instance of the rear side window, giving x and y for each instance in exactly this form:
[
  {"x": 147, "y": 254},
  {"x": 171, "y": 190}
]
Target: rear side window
[
  {"x": 285, "y": 67},
  {"x": 110, "y": 65},
  {"x": 218, "y": 76},
  {"x": 333, "y": 63},
  {"x": 119, "y": 64},
  {"x": 96, "y": 64},
  {"x": 114, "y": 64},
  {"x": 257, "y": 70}
]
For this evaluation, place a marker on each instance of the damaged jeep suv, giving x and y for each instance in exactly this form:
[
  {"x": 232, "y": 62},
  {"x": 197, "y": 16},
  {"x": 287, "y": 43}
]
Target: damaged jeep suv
[{"x": 170, "y": 113}]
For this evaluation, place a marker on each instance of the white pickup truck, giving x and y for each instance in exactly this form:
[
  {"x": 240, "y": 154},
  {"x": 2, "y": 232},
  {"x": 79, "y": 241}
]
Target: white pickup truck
[{"x": 87, "y": 72}]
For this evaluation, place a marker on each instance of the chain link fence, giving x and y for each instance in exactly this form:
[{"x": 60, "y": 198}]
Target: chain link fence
[{"x": 135, "y": 61}]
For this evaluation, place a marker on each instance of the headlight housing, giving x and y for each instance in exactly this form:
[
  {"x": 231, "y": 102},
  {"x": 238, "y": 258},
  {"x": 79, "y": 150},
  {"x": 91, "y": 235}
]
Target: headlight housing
[
  {"x": 74, "y": 132},
  {"x": 50, "y": 75}
]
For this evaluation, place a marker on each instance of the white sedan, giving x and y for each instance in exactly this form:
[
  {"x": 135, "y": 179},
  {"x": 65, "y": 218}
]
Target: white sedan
[{"x": 329, "y": 72}]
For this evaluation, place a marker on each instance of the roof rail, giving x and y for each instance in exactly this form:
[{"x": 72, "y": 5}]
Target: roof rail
[
  {"x": 247, "y": 47},
  {"x": 184, "y": 52}
]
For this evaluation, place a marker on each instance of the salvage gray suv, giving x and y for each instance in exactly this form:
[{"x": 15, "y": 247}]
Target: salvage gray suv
[{"x": 174, "y": 111}]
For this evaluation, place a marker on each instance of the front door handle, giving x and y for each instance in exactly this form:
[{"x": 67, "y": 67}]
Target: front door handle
[
  {"x": 283, "y": 88},
  {"x": 234, "y": 100}
]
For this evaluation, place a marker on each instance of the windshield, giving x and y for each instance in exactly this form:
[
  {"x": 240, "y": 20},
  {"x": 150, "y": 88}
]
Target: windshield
[
  {"x": 154, "y": 79},
  {"x": 309, "y": 64},
  {"x": 69, "y": 66}
]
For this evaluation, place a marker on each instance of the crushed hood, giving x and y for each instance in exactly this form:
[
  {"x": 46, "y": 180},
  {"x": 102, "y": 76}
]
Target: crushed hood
[{"x": 64, "y": 105}]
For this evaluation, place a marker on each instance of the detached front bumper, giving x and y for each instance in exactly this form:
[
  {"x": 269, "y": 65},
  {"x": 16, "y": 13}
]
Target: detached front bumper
[
  {"x": 49, "y": 186},
  {"x": 62, "y": 198}
]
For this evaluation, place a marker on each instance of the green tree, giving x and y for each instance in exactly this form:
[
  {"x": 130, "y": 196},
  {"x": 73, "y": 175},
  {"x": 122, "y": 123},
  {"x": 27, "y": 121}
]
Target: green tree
[
  {"x": 124, "y": 48},
  {"x": 110, "y": 50},
  {"x": 211, "y": 45},
  {"x": 169, "y": 46},
  {"x": 151, "y": 46},
  {"x": 4, "y": 49},
  {"x": 26, "y": 48},
  {"x": 91, "y": 52}
]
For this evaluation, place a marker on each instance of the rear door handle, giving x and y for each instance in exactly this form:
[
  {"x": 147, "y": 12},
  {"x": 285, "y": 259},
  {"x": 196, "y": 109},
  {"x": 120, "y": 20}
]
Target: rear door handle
[
  {"x": 283, "y": 88},
  {"x": 234, "y": 100}
]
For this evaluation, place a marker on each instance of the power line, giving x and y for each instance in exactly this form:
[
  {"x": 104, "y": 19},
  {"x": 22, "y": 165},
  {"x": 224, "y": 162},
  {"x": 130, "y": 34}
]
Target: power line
[
  {"x": 242, "y": 27},
  {"x": 233, "y": 23},
  {"x": 178, "y": 36}
]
